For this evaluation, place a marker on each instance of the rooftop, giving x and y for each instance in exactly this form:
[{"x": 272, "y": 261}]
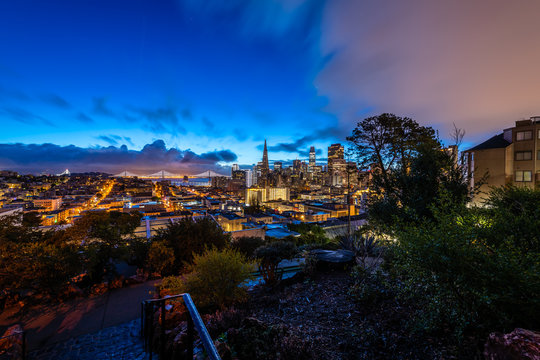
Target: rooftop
[{"x": 496, "y": 142}]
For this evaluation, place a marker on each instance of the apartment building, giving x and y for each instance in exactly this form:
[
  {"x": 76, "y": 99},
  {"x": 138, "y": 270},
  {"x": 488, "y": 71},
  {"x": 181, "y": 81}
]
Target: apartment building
[{"x": 512, "y": 157}]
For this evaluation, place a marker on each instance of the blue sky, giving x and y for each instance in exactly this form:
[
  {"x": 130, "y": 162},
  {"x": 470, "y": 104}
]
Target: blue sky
[{"x": 208, "y": 81}]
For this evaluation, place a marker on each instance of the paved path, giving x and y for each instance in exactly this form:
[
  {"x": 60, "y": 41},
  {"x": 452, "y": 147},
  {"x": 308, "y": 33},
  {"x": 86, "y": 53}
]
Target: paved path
[
  {"x": 121, "y": 342},
  {"x": 53, "y": 324}
]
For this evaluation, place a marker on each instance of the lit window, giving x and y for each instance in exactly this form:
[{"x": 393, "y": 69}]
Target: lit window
[
  {"x": 524, "y": 135},
  {"x": 523, "y": 176},
  {"x": 524, "y": 155}
]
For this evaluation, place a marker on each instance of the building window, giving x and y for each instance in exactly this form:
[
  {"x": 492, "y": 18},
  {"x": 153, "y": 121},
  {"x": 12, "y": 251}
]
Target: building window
[
  {"x": 523, "y": 155},
  {"x": 524, "y": 135},
  {"x": 523, "y": 176}
]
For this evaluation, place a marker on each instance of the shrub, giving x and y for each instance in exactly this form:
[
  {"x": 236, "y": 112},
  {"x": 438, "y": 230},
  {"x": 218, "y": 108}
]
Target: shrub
[
  {"x": 161, "y": 258},
  {"x": 468, "y": 270},
  {"x": 270, "y": 255},
  {"x": 188, "y": 237},
  {"x": 214, "y": 279},
  {"x": 310, "y": 234},
  {"x": 247, "y": 245}
]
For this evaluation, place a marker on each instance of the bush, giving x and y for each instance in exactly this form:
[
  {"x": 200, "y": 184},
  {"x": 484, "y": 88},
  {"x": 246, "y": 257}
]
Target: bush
[
  {"x": 469, "y": 271},
  {"x": 310, "y": 234},
  {"x": 188, "y": 237},
  {"x": 247, "y": 245},
  {"x": 270, "y": 255},
  {"x": 214, "y": 279},
  {"x": 160, "y": 259}
]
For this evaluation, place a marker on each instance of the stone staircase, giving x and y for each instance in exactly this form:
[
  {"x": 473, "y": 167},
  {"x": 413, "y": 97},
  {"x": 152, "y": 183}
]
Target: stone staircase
[{"x": 121, "y": 342}]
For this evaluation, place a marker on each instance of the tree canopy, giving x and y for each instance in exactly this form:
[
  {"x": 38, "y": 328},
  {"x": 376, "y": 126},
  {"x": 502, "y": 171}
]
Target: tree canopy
[{"x": 408, "y": 167}]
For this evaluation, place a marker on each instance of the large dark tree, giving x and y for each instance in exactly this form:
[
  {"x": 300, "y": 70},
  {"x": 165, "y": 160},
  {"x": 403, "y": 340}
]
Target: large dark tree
[
  {"x": 105, "y": 237},
  {"x": 189, "y": 236},
  {"x": 30, "y": 259},
  {"x": 408, "y": 165}
]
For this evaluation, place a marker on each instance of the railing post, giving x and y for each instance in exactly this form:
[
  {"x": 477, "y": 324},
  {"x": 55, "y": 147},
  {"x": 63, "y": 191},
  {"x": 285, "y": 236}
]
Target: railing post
[
  {"x": 191, "y": 336},
  {"x": 24, "y": 345},
  {"x": 162, "y": 334},
  {"x": 151, "y": 329},
  {"x": 142, "y": 322}
]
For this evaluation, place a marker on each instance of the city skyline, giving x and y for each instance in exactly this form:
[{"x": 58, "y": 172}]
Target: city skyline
[{"x": 184, "y": 86}]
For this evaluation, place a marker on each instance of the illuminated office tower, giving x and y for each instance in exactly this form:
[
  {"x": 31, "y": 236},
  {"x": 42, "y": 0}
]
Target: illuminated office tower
[{"x": 311, "y": 166}]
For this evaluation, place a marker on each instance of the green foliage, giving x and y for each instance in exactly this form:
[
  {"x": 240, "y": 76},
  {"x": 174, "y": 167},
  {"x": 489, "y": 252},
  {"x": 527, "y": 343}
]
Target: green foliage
[
  {"x": 310, "y": 234},
  {"x": 247, "y": 245},
  {"x": 161, "y": 258},
  {"x": 269, "y": 257},
  {"x": 108, "y": 227},
  {"x": 409, "y": 169},
  {"x": 214, "y": 278},
  {"x": 137, "y": 252},
  {"x": 188, "y": 237},
  {"x": 514, "y": 216},
  {"x": 467, "y": 269},
  {"x": 104, "y": 237},
  {"x": 30, "y": 261},
  {"x": 369, "y": 287}
]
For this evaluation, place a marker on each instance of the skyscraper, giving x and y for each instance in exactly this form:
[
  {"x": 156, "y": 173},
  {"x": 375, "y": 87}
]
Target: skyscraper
[
  {"x": 265, "y": 157},
  {"x": 264, "y": 167},
  {"x": 335, "y": 155},
  {"x": 234, "y": 168},
  {"x": 311, "y": 166}
]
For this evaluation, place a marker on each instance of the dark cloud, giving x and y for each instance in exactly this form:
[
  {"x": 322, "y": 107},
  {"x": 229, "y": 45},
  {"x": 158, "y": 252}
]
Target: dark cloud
[
  {"x": 240, "y": 134},
  {"x": 220, "y": 156},
  {"x": 84, "y": 118},
  {"x": 115, "y": 139},
  {"x": 35, "y": 158},
  {"x": 13, "y": 94},
  {"x": 108, "y": 139},
  {"x": 164, "y": 120},
  {"x": 128, "y": 140},
  {"x": 55, "y": 100},
  {"x": 208, "y": 126},
  {"x": 24, "y": 116},
  {"x": 186, "y": 114},
  {"x": 302, "y": 145},
  {"x": 100, "y": 107}
]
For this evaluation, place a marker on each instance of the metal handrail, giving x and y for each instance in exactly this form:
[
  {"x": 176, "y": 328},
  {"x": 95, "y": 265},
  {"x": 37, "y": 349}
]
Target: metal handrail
[
  {"x": 194, "y": 322},
  {"x": 22, "y": 334}
]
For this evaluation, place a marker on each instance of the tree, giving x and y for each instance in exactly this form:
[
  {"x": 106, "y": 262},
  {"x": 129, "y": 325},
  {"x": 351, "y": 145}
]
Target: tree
[
  {"x": 105, "y": 236},
  {"x": 189, "y": 236},
  {"x": 269, "y": 258},
  {"x": 31, "y": 260},
  {"x": 31, "y": 219},
  {"x": 409, "y": 168}
]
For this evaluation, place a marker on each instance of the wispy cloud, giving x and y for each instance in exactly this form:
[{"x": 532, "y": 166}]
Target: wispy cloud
[
  {"x": 55, "y": 100},
  {"x": 100, "y": 107},
  {"x": 301, "y": 146},
  {"x": 24, "y": 116},
  {"x": 163, "y": 120},
  {"x": 82, "y": 117}
]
